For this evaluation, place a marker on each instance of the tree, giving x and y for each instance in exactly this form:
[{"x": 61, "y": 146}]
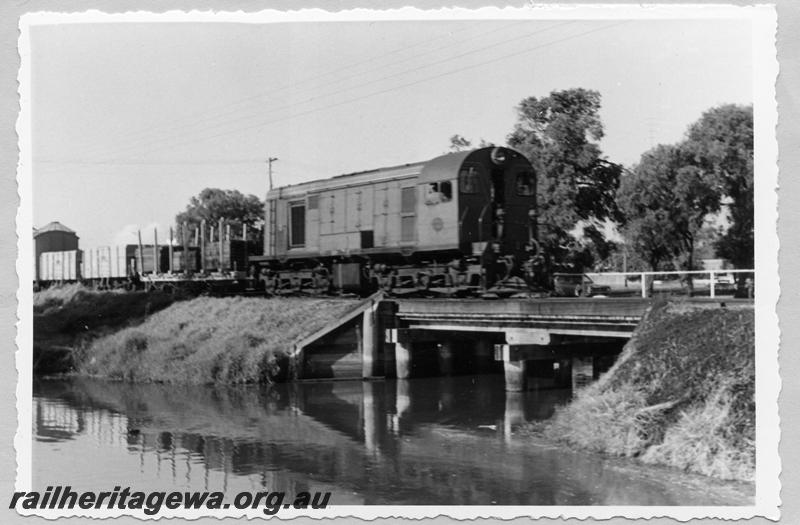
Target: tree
[
  {"x": 237, "y": 209},
  {"x": 560, "y": 135},
  {"x": 665, "y": 202},
  {"x": 720, "y": 144},
  {"x": 459, "y": 143}
]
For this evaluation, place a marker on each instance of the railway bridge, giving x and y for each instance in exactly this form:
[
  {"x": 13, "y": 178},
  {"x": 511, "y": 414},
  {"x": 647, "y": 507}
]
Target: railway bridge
[
  {"x": 403, "y": 338},
  {"x": 517, "y": 332},
  {"x": 555, "y": 340}
]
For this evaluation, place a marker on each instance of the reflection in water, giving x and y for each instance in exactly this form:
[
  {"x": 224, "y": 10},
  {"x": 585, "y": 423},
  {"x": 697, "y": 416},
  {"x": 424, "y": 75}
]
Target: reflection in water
[{"x": 443, "y": 441}]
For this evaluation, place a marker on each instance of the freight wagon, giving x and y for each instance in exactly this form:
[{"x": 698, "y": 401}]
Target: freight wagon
[{"x": 59, "y": 267}]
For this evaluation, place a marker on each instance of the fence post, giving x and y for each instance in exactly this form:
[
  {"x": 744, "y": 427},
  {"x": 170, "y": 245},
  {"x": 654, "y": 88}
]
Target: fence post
[
  {"x": 711, "y": 292},
  {"x": 644, "y": 286}
]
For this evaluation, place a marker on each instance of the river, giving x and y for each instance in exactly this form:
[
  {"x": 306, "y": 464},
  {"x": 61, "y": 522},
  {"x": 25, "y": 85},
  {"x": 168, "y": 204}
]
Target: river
[{"x": 433, "y": 441}]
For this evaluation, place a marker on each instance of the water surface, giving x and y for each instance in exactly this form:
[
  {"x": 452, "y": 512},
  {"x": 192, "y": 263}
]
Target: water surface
[{"x": 435, "y": 441}]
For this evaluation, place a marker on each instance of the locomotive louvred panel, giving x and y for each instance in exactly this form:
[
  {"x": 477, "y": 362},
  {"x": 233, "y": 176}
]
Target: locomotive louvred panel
[
  {"x": 281, "y": 227},
  {"x": 380, "y": 214},
  {"x": 408, "y": 219},
  {"x": 312, "y": 222}
]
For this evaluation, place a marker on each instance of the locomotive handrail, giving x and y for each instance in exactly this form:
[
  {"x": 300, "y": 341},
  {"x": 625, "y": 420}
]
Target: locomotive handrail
[
  {"x": 480, "y": 221},
  {"x": 463, "y": 216}
]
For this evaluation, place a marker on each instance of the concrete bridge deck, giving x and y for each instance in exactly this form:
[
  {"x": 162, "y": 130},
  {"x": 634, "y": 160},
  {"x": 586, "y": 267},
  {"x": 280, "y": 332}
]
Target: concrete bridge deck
[{"x": 604, "y": 317}]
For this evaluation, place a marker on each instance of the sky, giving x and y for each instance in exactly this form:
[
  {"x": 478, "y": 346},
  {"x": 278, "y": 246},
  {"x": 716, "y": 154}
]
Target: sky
[{"x": 130, "y": 120}]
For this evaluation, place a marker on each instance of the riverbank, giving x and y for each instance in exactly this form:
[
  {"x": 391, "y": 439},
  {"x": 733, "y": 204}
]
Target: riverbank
[
  {"x": 681, "y": 394},
  {"x": 66, "y": 318},
  {"x": 203, "y": 340}
]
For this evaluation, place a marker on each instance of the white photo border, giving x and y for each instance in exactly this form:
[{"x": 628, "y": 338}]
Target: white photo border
[{"x": 764, "y": 20}]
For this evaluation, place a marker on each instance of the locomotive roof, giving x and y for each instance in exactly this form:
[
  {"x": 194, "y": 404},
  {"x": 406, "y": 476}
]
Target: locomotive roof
[{"x": 450, "y": 161}]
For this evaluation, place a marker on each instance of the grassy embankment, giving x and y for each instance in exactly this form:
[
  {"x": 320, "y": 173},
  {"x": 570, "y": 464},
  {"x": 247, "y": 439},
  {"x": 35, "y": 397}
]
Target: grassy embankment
[
  {"x": 210, "y": 340},
  {"x": 681, "y": 394},
  {"x": 66, "y": 318}
]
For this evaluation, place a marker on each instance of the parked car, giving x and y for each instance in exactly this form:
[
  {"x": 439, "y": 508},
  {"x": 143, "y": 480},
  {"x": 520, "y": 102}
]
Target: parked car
[{"x": 577, "y": 285}]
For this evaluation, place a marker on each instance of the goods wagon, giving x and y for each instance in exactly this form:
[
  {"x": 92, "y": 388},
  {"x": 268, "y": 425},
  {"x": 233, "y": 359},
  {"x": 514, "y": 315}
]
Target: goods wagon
[
  {"x": 156, "y": 260},
  {"x": 107, "y": 262},
  {"x": 57, "y": 267},
  {"x": 230, "y": 255}
]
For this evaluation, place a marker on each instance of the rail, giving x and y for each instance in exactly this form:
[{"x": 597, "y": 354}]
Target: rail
[{"x": 645, "y": 282}]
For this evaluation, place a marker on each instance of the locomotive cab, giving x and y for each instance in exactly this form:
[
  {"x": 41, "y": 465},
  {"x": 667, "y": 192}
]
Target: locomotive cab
[{"x": 491, "y": 194}]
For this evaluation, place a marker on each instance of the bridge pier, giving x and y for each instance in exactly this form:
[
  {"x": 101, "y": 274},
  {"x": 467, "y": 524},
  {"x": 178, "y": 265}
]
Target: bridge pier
[
  {"x": 445, "y": 357},
  {"x": 515, "y": 370},
  {"x": 372, "y": 417},
  {"x": 582, "y": 371},
  {"x": 402, "y": 358},
  {"x": 369, "y": 343},
  {"x": 514, "y": 414},
  {"x": 515, "y": 355}
]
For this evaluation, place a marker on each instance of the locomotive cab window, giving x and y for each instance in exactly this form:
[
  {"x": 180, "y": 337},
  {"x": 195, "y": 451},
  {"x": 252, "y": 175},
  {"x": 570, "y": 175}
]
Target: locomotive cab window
[
  {"x": 437, "y": 192},
  {"x": 468, "y": 180},
  {"x": 297, "y": 224},
  {"x": 525, "y": 184}
]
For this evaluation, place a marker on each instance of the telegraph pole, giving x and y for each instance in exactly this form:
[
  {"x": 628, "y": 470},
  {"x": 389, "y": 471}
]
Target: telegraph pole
[{"x": 270, "y": 160}]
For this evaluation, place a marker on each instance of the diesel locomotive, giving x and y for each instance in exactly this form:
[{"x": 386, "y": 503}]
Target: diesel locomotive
[{"x": 459, "y": 223}]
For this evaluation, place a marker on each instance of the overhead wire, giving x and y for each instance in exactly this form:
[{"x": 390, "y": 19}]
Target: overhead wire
[
  {"x": 395, "y": 88},
  {"x": 374, "y": 93},
  {"x": 229, "y": 122},
  {"x": 223, "y": 109}
]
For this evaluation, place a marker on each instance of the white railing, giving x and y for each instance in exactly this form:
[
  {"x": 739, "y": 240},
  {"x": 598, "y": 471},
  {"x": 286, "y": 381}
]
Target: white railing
[{"x": 642, "y": 276}]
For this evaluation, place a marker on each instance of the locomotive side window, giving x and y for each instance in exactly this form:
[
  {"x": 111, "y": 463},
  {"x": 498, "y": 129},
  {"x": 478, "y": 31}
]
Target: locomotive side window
[
  {"x": 525, "y": 184},
  {"x": 446, "y": 189},
  {"x": 437, "y": 192},
  {"x": 297, "y": 224},
  {"x": 468, "y": 180}
]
